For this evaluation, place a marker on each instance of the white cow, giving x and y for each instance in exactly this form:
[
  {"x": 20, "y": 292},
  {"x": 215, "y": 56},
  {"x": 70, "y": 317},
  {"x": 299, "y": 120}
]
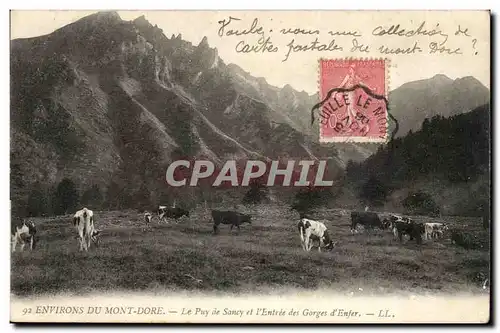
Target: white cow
[
  {"x": 434, "y": 230},
  {"x": 83, "y": 220},
  {"x": 24, "y": 234},
  {"x": 310, "y": 230},
  {"x": 162, "y": 211},
  {"x": 147, "y": 217}
]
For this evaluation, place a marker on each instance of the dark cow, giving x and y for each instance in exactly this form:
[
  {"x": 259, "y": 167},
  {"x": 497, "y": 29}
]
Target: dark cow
[
  {"x": 172, "y": 213},
  {"x": 177, "y": 212},
  {"x": 464, "y": 239},
  {"x": 388, "y": 223},
  {"x": 369, "y": 220},
  {"x": 413, "y": 229},
  {"x": 229, "y": 217}
]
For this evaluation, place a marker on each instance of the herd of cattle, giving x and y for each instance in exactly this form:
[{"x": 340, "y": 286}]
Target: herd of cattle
[{"x": 310, "y": 230}]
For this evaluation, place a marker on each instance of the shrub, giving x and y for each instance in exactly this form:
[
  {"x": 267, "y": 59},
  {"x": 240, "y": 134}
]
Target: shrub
[{"x": 420, "y": 203}]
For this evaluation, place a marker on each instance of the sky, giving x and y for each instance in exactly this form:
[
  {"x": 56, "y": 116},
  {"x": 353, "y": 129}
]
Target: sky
[{"x": 300, "y": 70}]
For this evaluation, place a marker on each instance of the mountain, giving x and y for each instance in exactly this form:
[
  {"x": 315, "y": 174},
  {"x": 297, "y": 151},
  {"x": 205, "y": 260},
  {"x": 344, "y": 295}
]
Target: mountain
[
  {"x": 110, "y": 103},
  {"x": 414, "y": 101}
]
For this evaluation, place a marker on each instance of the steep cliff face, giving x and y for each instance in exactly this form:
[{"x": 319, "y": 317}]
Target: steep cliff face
[{"x": 105, "y": 101}]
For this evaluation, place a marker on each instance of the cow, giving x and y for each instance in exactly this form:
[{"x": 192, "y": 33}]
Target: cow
[
  {"x": 310, "y": 230},
  {"x": 168, "y": 212},
  {"x": 24, "y": 233},
  {"x": 466, "y": 240},
  {"x": 229, "y": 217},
  {"x": 95, "y": 236},
  {"x": 83, "y": 220},
  {"x": 412, "y": 229},
  {"x": 161, "y": 212},
  {"x": 388, "y": 223},
  {"x": 434, "y": 230},
  {"x": 369, "y": 220},
  {"x": 147, "y": 217}
]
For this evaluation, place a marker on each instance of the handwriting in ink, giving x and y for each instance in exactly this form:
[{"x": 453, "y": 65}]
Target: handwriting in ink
[
  {"x": 298, "y": 31},
  {"x": 409, "y": 50},
  {"x": 439, "y": 48},
  {"x": 356, "y": 46},
  {"x": 464, "y": 32},
  {"x": 263, "y": 45},
  {"x": 313, "y": 46},
  {"x": 354, "y": 33},
  {"x": 397, "y": 30},
  {"x": 255, "y": 28}
]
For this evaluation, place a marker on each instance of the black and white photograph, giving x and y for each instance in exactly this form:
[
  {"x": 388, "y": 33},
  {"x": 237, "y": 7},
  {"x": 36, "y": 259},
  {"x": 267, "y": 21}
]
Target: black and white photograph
[{"x": 250, "y": 166}]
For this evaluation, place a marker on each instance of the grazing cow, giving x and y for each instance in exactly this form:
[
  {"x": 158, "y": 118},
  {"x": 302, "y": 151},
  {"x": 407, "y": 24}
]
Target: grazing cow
[
  {"x": 434, "y": 230},
  {"x": 310, "y": 230},
  {"x": 83, "y": 220},
  {"x": 95, "y": 236},
  {"x": 412, "y": 229},
  {"x": 466, "y": 240},
  {"x": 162, "y": 210},
  {"x": 400, "y": 218},
  {"x": 388, "y": 223},
  {"x": 24, "y": 233},
  {"x": 229, "y": 217},
  {"x": 369, "y": 220},
  {"x": 147, "y": 217},
  {"x": 175, "y": 213}
]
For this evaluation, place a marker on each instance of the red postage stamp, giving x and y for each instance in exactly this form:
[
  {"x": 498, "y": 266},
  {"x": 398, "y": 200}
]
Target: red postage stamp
[{"x": 353, "y": 103}]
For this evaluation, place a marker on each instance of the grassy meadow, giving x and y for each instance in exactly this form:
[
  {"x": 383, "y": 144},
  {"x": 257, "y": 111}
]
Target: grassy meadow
[{"x": 263, "y": 256}]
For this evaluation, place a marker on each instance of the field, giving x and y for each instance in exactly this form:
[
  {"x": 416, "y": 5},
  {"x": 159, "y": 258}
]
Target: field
[{"x": 263, "y": 256}]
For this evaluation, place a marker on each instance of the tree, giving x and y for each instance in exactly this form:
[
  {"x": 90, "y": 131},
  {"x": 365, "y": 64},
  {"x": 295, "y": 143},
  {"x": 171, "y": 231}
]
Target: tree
[
  {"x": 142, "y": 197},
  {"x": 37, "y": 204},
  {"x": 65, "y": 197},
  {"x": 92, "y": 197},
  {"x": 374, "y": 191},
  {"x": 256, "y": 194},
  {"x": 309, "y": 197},
  {"x": 420, "y": 203}
]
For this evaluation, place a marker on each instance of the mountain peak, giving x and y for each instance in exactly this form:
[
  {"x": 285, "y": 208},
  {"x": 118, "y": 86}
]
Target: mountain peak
[
  {"x": 469, "y": 80},
  {"x": 106, "y": 16},
  {"x": 440, "y": 79},
  {"x": 204, "y": 42},
  {"x": 288, "y": 88},
  {"x": 438, "y": 95},
  {"x": 141, "y": 20}
]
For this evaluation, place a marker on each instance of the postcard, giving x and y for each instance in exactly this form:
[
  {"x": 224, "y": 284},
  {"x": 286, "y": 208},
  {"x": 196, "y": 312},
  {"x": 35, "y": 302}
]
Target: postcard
[{"x": 250, "y": 166}]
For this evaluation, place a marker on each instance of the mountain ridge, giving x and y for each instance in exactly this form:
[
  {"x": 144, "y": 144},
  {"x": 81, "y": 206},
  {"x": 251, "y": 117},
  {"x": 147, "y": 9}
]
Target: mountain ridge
[{"x": 110, "y": 102}]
